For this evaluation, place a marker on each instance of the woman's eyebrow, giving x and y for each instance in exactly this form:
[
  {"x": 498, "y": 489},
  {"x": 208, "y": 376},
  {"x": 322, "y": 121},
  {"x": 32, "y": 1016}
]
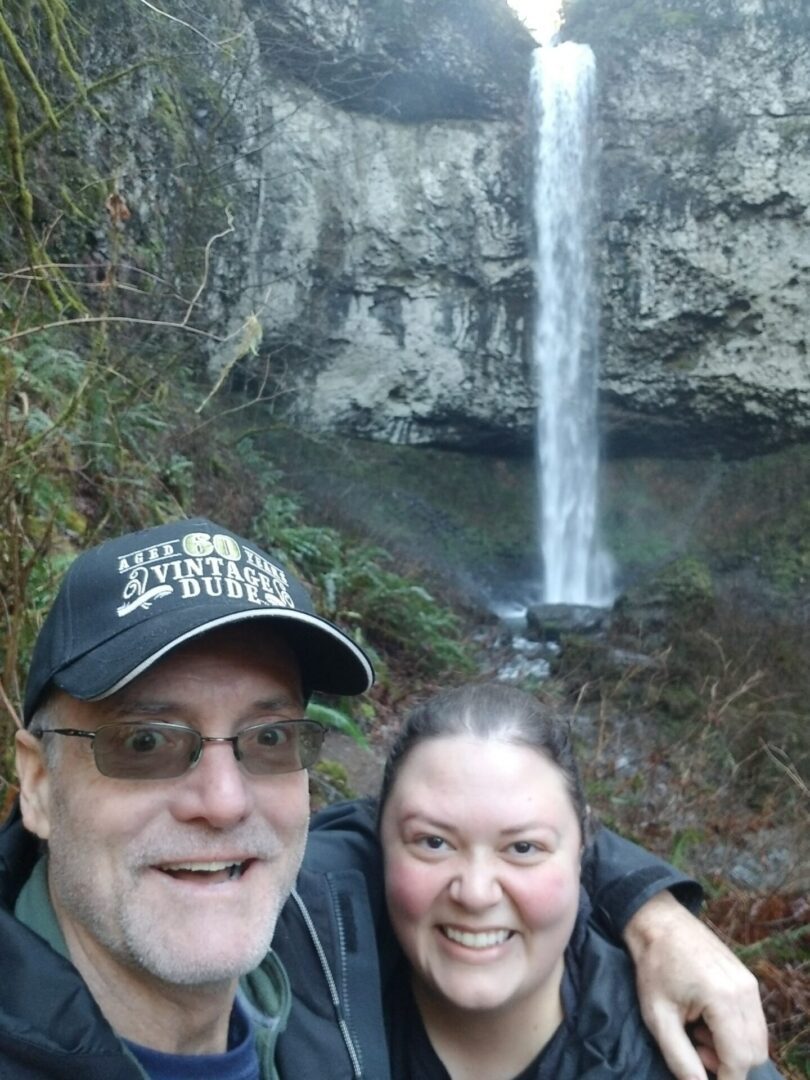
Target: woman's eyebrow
[
  {"x": 530, "y": 826},
  {"x": 427, "y": 821}
]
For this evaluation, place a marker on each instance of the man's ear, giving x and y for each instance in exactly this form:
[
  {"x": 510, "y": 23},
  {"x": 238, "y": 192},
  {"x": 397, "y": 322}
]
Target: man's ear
[{"x": 32, "y": 773}]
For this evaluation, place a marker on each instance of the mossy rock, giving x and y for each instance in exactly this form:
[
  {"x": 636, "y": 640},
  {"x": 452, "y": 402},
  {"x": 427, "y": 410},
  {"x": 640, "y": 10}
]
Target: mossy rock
[
  {"x": 586, "y": 660},
  {"x": 682, "y": 592},
  {"x": 330, "y": 783}
]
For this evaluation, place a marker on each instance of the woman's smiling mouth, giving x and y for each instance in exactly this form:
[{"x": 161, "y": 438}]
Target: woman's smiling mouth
[{"x": 479, "y": 939}]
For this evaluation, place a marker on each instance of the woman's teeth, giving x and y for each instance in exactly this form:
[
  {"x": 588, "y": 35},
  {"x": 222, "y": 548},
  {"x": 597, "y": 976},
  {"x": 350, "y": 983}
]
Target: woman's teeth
[{"x": 484, "y": 939}]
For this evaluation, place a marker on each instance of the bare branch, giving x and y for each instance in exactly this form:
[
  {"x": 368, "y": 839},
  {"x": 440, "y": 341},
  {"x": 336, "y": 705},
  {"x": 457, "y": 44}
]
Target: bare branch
[
  {"x": 206, "y": 262},
  {"x": 780, "y": 758},
  {"x": 189, "y": 26},
  {"x": 6, "y": 703},
  {"x": 252, "y": 335},
  {"x": 90, "y": 320}
]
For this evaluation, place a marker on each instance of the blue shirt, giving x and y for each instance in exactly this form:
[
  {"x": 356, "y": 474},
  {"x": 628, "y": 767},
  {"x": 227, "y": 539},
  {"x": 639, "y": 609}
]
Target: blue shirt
[{"x": 239, "y": 1062}]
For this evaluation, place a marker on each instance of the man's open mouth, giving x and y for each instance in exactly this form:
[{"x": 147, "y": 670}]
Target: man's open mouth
[{"x": 205, "y": 873}]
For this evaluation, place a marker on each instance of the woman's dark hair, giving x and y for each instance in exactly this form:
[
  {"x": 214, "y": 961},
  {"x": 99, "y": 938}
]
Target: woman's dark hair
[{"x": 490, "y": 711}]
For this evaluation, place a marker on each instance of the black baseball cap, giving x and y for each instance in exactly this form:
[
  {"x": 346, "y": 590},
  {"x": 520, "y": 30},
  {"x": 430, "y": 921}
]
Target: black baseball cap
[{"x": 124, "y": 604}]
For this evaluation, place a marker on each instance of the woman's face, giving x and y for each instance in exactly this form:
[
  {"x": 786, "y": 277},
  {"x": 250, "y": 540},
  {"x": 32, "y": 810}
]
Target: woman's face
[{"x": 482, "y": 861}]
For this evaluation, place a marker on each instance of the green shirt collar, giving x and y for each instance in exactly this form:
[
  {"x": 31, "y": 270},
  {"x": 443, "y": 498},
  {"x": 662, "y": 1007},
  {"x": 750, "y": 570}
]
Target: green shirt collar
[{"x": 35, "y": 910}]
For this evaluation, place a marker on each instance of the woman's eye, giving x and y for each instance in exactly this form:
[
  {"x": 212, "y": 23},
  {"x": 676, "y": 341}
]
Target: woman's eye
[
  {"x": 524, "y": 847},
  {"x": 433, "y": 843}
]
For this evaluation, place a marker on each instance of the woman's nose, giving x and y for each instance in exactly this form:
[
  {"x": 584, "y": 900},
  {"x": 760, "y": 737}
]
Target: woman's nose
[{"x": 476, "y": 886}]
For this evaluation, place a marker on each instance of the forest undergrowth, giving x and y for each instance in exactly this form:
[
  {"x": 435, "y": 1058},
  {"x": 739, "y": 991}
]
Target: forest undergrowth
[{"x": 693, "y": 734}]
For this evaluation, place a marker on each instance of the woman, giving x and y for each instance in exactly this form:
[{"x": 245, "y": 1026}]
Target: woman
[
  {"x": 484, "y": 827},
  {"x": 498, "y": 972}
]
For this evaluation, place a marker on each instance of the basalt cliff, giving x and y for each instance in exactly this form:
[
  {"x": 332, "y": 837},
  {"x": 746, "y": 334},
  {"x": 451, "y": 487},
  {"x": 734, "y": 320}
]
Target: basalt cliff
[
  {"x": 352, "y": 178},
  {"x": 407, "y": 218},
  {"x": 705, "y": 112}
]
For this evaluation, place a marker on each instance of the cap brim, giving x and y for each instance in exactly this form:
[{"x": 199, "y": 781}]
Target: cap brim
[{"x": 329, "y": 661}]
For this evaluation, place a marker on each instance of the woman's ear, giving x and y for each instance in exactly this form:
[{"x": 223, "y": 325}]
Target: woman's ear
[{"x": 34, "y": 778}]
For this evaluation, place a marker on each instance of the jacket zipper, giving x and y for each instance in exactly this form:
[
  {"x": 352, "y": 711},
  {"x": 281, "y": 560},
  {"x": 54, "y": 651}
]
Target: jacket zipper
[{"x": 330, "y": 982}]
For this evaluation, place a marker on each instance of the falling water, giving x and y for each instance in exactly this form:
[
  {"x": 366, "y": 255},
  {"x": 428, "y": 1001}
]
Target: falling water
[{"x": 576, "y": 570}]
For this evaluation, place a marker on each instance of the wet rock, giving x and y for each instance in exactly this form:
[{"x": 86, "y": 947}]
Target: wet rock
[{"x": 550, "y": 622}]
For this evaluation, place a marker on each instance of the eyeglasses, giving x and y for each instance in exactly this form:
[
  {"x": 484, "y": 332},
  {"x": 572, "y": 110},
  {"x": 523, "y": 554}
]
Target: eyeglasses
[{"x": 158, "y": 751}]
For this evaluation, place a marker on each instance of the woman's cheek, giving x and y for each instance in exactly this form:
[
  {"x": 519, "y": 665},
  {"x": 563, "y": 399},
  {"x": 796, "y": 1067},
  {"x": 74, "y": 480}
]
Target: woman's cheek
[
  {"x": 410, "y": 887},
  {"x": 550, "y": 895}
]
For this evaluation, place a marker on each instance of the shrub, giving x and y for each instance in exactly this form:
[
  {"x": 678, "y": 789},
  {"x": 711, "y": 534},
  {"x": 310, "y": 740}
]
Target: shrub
[{"x": 355, "y": 587}]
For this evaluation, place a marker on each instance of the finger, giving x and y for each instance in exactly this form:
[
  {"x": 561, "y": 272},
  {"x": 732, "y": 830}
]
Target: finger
[
  {"x": 739, "y": 1034},
  {"x": 682, "y": 1059},
  {"x": 709, "y": 1058},
  {"x": 703, "y": 1039},
  {"x": 734, "y": 1057}
]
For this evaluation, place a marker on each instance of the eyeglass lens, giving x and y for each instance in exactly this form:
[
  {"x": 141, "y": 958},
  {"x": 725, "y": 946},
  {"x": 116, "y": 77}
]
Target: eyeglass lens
[{"x": 159, "y": 751}]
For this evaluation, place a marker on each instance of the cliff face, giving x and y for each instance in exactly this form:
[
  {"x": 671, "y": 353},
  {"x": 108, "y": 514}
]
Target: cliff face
[
  {"x": 394, "y": 227},
  {"x": 706, "y": 271},
  {"x": 410, "y": 232},
  {"x": 372, "y": 159},
  {"x": 349, "y": 174}
]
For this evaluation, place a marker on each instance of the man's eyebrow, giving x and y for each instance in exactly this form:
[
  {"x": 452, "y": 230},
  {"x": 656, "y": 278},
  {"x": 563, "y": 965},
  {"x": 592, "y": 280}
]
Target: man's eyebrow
[
  {"x": 143, "y": 707},
  {"x": 281, "y": 701},
  {"x": 530, "y": 826},
  {"x": 162, "y": 706}
]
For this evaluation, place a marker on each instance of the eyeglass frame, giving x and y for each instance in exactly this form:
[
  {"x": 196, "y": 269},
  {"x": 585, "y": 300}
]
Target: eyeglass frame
[{"x": 312, "y": 725}]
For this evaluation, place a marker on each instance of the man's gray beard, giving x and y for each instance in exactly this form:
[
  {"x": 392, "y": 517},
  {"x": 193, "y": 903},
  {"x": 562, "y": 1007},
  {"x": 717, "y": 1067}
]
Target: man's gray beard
[{"x": 130, "y": 937}]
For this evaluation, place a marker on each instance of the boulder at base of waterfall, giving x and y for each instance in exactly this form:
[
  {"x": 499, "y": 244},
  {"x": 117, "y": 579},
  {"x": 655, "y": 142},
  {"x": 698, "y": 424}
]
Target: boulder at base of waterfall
[{"x": 550, "y": 622}]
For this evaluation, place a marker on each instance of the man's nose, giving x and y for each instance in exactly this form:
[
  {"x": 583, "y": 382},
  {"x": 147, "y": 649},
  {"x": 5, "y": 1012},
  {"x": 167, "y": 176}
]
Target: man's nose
[
  {"x": 216, "y": 790},
  {"x": 476, "y": 885}
]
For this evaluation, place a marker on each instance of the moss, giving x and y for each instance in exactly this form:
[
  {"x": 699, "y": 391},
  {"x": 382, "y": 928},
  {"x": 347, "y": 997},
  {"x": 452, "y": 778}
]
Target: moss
[
  {"x": 169, "y": 116},
  {"x": 680, "y": 701},
  {"x": 585, "y": 661},
  {"x": 679, "y": 20},
  {"x": 332, "y": 780},
  {"x": 686, "y": 587}
]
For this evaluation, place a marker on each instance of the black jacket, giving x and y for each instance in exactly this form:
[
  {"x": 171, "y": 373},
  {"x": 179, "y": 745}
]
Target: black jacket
[
  {"x": 50, "y": 1026},
  {"x": 339, "y": 915},
  {"x": 332, "y": 936}
]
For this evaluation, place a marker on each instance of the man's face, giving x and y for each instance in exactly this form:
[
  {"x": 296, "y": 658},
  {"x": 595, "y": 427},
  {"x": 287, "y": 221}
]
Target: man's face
[{"x": 138, "y": 868}]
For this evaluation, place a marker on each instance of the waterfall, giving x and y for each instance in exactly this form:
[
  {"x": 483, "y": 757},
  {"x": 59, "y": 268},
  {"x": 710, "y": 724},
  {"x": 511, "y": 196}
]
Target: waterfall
[{"x": 575, "y": 569}]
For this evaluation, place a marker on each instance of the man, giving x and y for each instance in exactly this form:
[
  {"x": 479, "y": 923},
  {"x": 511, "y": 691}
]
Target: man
[{"x": 162, "y": 821}]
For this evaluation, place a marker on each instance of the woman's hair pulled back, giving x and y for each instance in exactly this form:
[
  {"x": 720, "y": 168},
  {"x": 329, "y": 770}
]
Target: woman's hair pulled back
[{"x": 489, "y": 711}]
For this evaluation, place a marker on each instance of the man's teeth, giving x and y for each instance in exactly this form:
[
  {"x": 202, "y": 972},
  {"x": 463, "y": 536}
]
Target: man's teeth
[
  {"x": 482, "y": 940},
  {"x": 234, "y": 870}
]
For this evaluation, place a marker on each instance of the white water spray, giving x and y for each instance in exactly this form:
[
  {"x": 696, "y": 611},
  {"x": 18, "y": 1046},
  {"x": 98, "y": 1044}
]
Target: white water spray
[{"x": 575, "y": 569}]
